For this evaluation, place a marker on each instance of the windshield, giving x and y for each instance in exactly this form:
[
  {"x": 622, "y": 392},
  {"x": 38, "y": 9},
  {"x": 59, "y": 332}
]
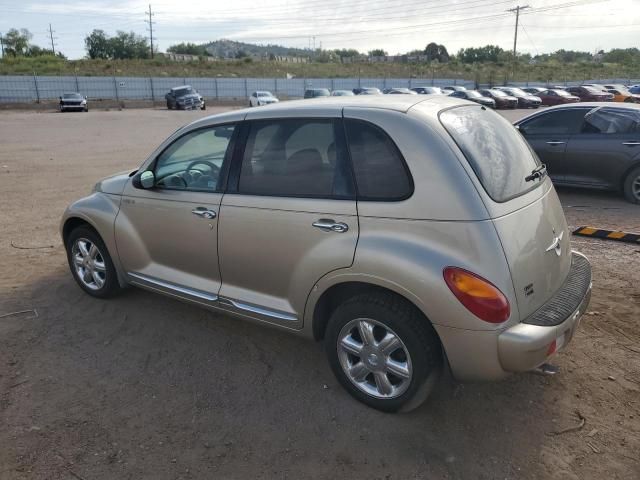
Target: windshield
[
  {"x": 498, "y": 154},
  {"x": 516, "y": 92},
  {"x": 498, "y": 93},
  {"x": 561, "y": 93},
  {"x": 183, "y": 91},
  {"x": 265, "y": 94},
  {"x": 592, "y": 90},
  {"x": 76, "y": 96},
  {"x": 473, "y": 93}
]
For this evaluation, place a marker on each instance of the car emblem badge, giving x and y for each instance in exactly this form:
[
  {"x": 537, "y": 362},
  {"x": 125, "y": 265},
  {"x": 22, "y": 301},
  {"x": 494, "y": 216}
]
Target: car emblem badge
[{"x": 556, "y": 245}]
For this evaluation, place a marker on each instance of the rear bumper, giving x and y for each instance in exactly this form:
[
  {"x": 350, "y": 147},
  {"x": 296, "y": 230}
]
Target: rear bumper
[
  {"x": 481, "y": 355},
  {"x": 527, "y": 345}
]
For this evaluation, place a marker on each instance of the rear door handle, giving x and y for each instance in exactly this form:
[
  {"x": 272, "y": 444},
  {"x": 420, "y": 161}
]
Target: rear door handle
[
  {"x": 631, "y": 143},
  {"x": 204, "y": 212},
  {"x": 555, "y": 143},
  {"x": 329, "y": 225}
]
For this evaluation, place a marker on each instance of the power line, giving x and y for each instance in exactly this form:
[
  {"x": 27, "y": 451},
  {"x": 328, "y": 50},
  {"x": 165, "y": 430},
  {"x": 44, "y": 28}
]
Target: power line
[{"x": 150, "y": 22}]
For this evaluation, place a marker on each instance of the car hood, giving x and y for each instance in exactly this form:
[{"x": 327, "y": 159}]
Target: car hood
[
  {"x": 74, "y": 100},
  {"x": 268, "y": 99},
  {"x": 114, "y": 184}
]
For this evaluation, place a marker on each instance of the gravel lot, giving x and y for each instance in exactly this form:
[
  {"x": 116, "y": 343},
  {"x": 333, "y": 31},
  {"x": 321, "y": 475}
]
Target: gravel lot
[{"x": 143, "y": 386}]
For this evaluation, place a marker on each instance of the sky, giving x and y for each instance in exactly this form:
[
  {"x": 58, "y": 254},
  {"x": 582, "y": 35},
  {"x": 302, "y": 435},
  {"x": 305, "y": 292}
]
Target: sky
[{"x": 396, "y": 26}]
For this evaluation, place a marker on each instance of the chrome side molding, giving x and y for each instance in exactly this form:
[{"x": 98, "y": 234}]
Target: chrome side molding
[
  {"x": 258, "y": 310},
  {"x": 151, "y": 281}
]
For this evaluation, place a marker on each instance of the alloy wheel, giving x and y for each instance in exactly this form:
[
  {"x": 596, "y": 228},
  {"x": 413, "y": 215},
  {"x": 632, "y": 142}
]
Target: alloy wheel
[
  {"x": 635, "y": 188},
  {"x": 89, "y": 264},
  {"x": 374, "y": 358}
]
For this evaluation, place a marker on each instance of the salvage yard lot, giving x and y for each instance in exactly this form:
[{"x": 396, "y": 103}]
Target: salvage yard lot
[{"x": 144, "y": 386}]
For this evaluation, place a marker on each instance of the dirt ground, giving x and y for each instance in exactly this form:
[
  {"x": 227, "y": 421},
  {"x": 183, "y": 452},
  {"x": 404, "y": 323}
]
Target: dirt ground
[{"x": 143, "y": 386}]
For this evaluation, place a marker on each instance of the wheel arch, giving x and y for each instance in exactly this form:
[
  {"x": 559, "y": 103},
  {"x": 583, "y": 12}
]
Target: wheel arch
[{"x": 327, "y": 301}]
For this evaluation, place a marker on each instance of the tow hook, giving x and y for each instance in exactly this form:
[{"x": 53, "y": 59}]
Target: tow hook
[{"x": 546, "y": 369}]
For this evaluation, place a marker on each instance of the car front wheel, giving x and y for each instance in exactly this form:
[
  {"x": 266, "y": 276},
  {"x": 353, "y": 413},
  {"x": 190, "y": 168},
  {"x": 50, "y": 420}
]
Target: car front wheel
[
  {"x": 383, "y": 351},
  {"x": 91, "y": 264}
]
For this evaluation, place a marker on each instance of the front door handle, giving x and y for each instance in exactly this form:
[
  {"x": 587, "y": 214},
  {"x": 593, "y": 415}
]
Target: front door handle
[
  {"x": 631, "y": 143},
  {"x": 204, "y": 213},
  {"x": 329, "y": 225},
  {"x": 556, "y": 143}
]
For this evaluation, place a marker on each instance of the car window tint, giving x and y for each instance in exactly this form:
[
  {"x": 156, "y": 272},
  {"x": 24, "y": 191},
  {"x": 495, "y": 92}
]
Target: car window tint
[
  {"x": 194, "y": 161},
  {"x": 497, "y": 153},
  {"x": 559, "y": 122},
  {"x": 611, "y": 121},
  {"x": 378, "y": 165},
  {"x": 294, "y": 158}
]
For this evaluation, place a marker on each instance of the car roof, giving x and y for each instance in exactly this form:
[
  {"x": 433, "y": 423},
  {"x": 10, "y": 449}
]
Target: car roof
[
  {"x": 181, "y": 87},
  {"x": 583, "y": 105}
]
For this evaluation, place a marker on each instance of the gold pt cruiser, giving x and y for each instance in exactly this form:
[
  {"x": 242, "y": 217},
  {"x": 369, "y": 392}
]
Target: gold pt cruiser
[{"x": 407, "y": 233}]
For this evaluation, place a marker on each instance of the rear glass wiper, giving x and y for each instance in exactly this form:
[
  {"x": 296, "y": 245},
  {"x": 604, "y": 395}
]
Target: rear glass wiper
[{"x": 537, "y": 173}]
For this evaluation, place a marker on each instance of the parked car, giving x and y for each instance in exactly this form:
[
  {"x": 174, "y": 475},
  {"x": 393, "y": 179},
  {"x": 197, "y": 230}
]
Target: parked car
[
  {"x": 534, "y": 90},
  {"x": 184, "y": 98},
  {"x": 553, "y": 96},
  {"x": 622, "y": 94},
  {"x": 73, "y": 101},
  {"x": 501, "y": 99},
  {"x": 428, "y": 90},
  {"x": 316, "y": 92},
  {"x": 437, "y": 239},
  {"x": 474, "y": 96},
  {"x": 589, "y": 145},
  {"x": 342, "y": 93},
  {"x": 367, "y": 91},
  {"x": 453, "y": 88},
  {"x": 590, "y": 94},
  {"x": 398, "y": 91},
  {"x": 262, "y": 97},
  {"x": 525, "y": 100}
]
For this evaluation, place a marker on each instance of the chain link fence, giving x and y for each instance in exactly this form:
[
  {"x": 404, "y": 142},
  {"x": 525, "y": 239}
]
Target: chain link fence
[{"x": 28, "y": 89}]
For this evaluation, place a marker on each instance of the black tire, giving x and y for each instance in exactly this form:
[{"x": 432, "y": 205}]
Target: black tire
[
  {"x": 633, "y": 177},
  {"x": 111, "y": 285},
  {"x": 169, "y": 106},
  {"x": 413, "y": 329},
  {"x": 86, "y": 109},
  {"x": 204, "y": 107}
]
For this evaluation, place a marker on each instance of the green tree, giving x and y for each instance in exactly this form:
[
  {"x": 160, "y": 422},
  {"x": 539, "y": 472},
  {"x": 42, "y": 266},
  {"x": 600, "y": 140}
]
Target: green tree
[
  {"x": 16, "y": 42},
  {"x": 378, "y": 52},
  {"x": 188, "y": 49},
  {"x": 488, "y": 53},
  {"x": 97, "y": 45},
  {"x": 129, "y": 45},
  {"x": 346, "y": 52}
]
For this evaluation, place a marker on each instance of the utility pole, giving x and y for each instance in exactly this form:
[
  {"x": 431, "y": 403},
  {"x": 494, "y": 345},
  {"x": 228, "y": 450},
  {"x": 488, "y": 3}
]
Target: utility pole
[
  {"x": 53, "y": 45},
  {"x": 517, "y": 9},
  {"x": 150, "y": 22},
  {"x": 2, "y": 44}
]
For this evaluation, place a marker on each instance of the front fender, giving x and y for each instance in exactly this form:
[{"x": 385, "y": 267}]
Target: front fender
[{"x": 98, "y": 210}]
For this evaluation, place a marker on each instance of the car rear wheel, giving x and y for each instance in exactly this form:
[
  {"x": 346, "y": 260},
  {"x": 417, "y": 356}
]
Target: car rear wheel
[
  {"x": 383, "y": 351},
  {"x": 91, "y": 264},
  {"x": 632, "y": 186}
]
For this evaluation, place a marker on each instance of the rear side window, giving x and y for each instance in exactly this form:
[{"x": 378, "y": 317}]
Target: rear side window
[
  {"x": 380, "y": 171},
  {"x": 612, "y": 121},
  {"x": 294, "y": 158},
  {"x": 497, "y": 153}
]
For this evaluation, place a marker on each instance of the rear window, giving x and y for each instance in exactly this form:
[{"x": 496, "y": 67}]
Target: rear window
[{"x": 499, "y": 156}]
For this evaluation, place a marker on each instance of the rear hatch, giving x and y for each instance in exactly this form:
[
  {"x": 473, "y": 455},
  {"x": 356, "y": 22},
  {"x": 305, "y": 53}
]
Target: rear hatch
[{"x": 527, "y": 214}]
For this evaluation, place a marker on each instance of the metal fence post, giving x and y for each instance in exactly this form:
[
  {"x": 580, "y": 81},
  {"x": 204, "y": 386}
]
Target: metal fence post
[
  {"x": 35, "y": 82},
  {"x": 216, "y": 85},
  {"x": 276, "y": 85},
  {"x": 246, "y": 88},
  {"x": 153, "y": 94},
  {"x": 333, "y": 84},
  {"x": 115, "y": 89},
  {"x": 77, "y": 86}
]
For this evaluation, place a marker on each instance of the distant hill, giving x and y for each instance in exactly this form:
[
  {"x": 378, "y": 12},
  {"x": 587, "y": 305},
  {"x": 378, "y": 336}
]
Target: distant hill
[{"x": 231, "y": 49}]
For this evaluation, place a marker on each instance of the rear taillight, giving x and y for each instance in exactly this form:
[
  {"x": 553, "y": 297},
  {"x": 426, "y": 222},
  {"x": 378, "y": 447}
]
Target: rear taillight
[{"x": 478, "y": 295}]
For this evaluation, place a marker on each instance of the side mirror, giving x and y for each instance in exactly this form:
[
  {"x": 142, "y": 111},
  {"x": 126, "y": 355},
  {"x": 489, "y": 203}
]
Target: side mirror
[
  {"x": 144, "y": 180},
  {"x": 520, "y": 128}
]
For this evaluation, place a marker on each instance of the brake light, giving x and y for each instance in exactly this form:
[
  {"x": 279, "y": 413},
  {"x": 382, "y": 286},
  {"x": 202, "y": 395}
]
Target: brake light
[{"x": 478, "y": 295}]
